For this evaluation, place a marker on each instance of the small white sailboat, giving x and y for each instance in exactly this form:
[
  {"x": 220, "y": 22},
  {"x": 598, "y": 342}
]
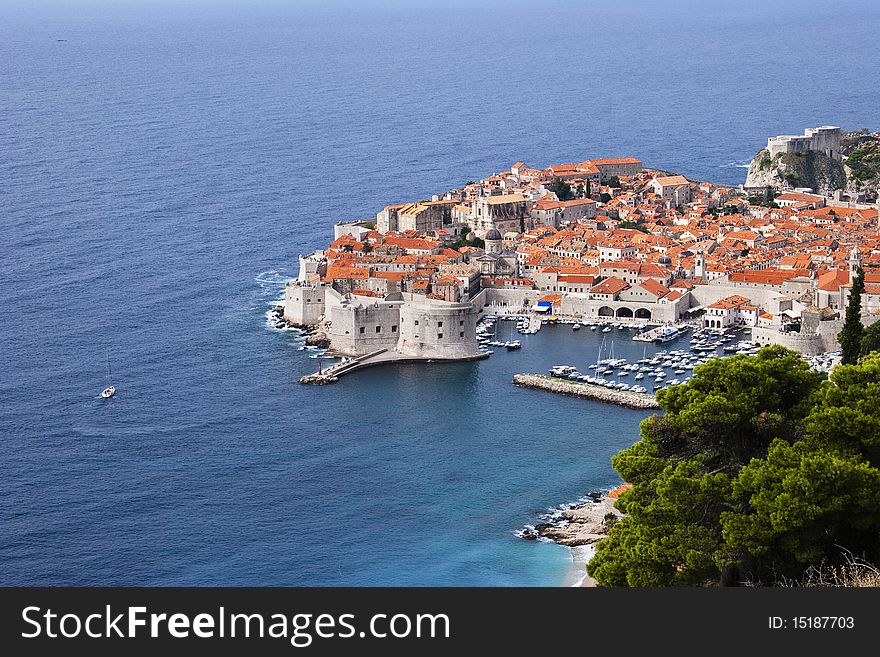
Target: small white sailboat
[{"x": 110, "y": 390}]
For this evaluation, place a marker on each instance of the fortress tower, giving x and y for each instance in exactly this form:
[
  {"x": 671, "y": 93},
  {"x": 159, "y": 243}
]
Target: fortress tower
[{"x": 824, "y": 139}]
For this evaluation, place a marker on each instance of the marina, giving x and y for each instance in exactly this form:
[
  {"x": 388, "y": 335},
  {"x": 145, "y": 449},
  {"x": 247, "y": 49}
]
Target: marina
[
  {"x": 662, "y": 369},
  {"x": 626, "y": 371}
]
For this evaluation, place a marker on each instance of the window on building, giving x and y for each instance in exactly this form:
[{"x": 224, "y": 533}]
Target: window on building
[
  {"x": 394, "y": 328},
  {"x": 439, "y": 324},
  {"x": 439, "y": 336},
  {"x": 461, "y": 334},
  {"x": 363, "y": 329},
  {"x": 461, "y": 323},
  {"x": 378, "y": 329},
  {"x": 417, "y": 322}
]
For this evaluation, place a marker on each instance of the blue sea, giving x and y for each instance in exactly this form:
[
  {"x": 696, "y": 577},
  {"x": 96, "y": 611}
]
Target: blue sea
[{"x": 163, "y": 164}]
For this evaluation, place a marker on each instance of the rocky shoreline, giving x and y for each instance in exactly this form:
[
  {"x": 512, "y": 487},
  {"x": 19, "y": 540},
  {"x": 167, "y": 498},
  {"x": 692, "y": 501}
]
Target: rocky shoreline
[
  {"x": 635, "y": 400},
  {"x": 315, "y": 336},
  {"x": 583, "y": 523},
  {"x": 579, "y": 526}
]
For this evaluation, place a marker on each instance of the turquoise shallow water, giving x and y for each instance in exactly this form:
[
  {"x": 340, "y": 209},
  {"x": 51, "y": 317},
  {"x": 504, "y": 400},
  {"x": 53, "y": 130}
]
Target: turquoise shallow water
[{"x": 164, "y": 164}]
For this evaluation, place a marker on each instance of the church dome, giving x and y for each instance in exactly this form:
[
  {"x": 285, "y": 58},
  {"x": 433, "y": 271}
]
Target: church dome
[{"x": 493, "y": 235}]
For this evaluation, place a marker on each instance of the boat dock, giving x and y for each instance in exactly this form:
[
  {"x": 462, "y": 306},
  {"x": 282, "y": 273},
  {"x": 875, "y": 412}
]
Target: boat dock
[
  {"x": 346, "y": 365},
  {"x": 378, "y": 357},
  {"x": 650, "y": 335},
  {"x": 661, "y": 333}
]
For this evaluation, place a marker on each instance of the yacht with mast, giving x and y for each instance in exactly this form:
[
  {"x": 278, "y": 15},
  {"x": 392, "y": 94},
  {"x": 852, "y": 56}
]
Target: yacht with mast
[{"x": 110, "y": 390}]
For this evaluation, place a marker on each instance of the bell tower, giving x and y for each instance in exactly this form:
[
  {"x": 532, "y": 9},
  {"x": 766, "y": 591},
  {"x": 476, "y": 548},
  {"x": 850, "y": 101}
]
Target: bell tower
[
  {"x": 700, "y": 265},
  {"x": 855, "y": 262}
]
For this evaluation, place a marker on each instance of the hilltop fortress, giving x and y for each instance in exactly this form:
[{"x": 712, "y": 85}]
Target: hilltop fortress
[
  {"x": 844, "y": 167},
  {"x": 602, "y": 240},
  {"x": 824, "y": 139}
]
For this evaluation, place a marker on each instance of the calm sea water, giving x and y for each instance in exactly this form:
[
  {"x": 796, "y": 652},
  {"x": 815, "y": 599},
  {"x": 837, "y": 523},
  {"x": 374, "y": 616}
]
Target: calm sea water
[{"x": 161, "y": 167}]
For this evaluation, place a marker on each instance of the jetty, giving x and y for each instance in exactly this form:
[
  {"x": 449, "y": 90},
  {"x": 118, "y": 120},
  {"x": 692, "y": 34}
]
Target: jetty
[
  {"x": 649, "y": 335},
  {"x": 629, "y": 399},
  {"x": 379, "y": 357},
  {"x": 346, "y": 365},
  {"x": 658, "y": 334}
]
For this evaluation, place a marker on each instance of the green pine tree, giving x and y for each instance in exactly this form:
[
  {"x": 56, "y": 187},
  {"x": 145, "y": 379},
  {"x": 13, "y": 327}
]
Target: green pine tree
[
  {"x": 561, "y": 188},
  {"x": 758, "y": 471},
  {"x": 870, "y": 339},
  {"x": 850, "y": 336}
]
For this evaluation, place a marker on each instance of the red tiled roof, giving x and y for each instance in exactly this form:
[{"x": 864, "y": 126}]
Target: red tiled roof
[
  {"x": 730, "y": 302},
  {"x": 611, "y": 285},
  {"x": 617, "y": 491},
  {"x": 830, "y": 281}
]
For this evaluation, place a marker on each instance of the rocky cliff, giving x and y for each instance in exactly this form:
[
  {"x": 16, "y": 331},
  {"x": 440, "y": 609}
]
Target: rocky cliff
[
  {"x": 858, "y": 174},
  {"x": 787, "y": 171},
  {"x": 861, "y": 151}
]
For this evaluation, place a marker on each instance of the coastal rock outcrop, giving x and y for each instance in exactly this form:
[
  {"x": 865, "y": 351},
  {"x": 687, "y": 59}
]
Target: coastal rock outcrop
[
  {"x": 856, "y": 174},
  {"x": 584, "y": 524},
  {"x": 281, "y": 322},
  {"x": 579, "y": 526},
  {"x": 862, "y": 164},
  {"x": 318, "y": 339},
  {"x": 786, "y": 171}
]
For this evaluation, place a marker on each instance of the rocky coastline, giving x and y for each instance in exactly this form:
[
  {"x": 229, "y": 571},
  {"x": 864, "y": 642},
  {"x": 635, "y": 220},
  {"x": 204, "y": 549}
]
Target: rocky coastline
[
  {"x": 634, "y": 400},
  {"x": 584, "y": 523},
  {"x": 579, "y": 526},
  {"x": 315, "y": 336}
]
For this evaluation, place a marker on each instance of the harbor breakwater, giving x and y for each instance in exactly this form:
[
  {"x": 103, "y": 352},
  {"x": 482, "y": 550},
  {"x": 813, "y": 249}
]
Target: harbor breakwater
[{"x": 628, "y": 399}]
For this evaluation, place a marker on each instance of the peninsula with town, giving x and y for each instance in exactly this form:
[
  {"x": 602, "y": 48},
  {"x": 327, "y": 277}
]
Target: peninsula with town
[
  {"x": 605, "y": 240},
  {"x": 791, "y": 257}
]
